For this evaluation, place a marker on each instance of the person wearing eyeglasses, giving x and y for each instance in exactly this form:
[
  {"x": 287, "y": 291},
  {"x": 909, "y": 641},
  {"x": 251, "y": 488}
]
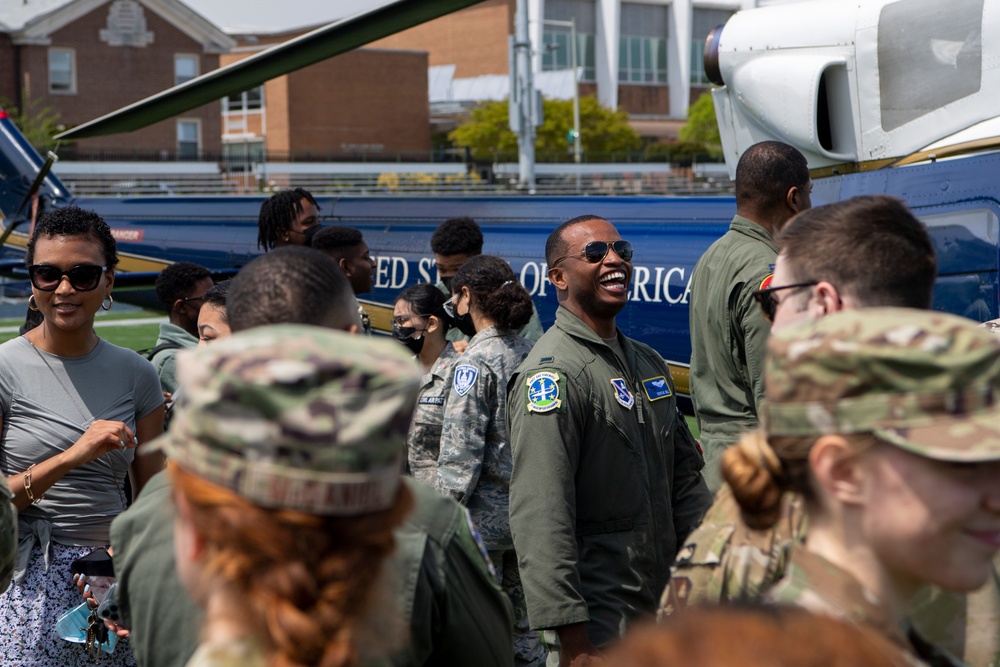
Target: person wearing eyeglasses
[
  {"x": 77, "y": 415},
  {"x": 181, "y": 288},
  {"x": 885, "y": 422},
  {"x": 489, "y": 305},
  {"x": 728, "y": 331},
  {"x": 607, "y": 477},
  {"x": 860, "y": 253},
  {"x": 420, "y": 323}
]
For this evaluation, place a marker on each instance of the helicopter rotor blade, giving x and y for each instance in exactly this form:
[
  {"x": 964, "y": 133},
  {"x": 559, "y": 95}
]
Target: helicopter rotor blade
[{"x": 305, "y": 50}]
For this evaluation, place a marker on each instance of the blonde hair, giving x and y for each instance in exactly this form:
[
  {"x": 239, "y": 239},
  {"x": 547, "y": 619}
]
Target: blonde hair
[{"x": 303, "y": 581}]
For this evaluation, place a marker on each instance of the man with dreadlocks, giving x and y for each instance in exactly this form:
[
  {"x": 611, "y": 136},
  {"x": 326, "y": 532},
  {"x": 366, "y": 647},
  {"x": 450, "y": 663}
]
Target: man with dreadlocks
[{"x": 289, "y": 217}]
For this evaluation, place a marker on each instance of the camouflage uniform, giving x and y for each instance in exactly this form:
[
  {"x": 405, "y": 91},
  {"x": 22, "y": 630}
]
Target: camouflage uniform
[
  {"x": 314, "y": 420},
  {"x": 728, "y": 337},
  {"x": 474, "y": 464},
  {"x": 423, "y": 443},
  {"x": 922, "y": 381}
]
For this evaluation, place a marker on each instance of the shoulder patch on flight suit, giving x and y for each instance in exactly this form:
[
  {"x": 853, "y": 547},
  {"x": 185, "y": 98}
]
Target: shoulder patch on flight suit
[
  {"x": 622, "y": 394},
  {"x": 465, "y": 378},
  {"x": 766, "y": 282},
  {"x": 545, "y": 392},
  {"x": 657, "y": 388}
]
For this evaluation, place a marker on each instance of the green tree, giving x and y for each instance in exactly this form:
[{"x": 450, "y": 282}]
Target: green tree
[
  {"x": 38, "y": 122},
  {"x": 487, "y": 132},
  {"x": 701, "y": 126}
]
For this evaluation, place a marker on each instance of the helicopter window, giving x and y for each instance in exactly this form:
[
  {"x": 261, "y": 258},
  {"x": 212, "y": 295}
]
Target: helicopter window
[
  {"x": 930, "y": 53},
  {"x": 62, "y": 71}
]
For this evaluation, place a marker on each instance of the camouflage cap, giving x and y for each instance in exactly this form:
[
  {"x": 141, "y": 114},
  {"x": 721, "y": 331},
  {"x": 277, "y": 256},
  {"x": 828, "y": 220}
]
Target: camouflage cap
[
  {"x": 927, "y": 382},
  {"x": 296, "y": 417}
]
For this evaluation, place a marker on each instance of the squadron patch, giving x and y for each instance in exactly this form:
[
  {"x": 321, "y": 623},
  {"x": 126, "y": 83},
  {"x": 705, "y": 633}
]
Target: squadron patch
[
  {"x": 543, "y": 392},
  {"x": 465, "y": 378},
  {"x": 766, "y": 282},
  {"x": 622, "y": 394},
  {"x": 657, "y": 388}
]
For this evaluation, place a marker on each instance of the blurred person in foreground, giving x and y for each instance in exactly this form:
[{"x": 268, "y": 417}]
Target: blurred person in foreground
[
  {"x": 439, "y": 575},
  {"x": 886, "y": 423},
  {"x": 283, "y": 526},
  {"x": 863, "y": 252},
  {"x": 752, "y": 636}
]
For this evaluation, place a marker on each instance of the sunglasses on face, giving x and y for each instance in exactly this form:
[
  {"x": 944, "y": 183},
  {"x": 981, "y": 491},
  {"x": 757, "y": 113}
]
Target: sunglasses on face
[
  {"x": 769, "y": 302},
  {"x": 82, "y": 277},
  {"x": 596, "y": 251}
]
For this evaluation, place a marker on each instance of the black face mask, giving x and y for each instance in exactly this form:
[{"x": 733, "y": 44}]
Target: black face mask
[
  {"x": 405, "y": 336},
  {"x": 464, "y": 324},
  {"x": 446, "y": 281},
  {"x": 310, "y": 233}
]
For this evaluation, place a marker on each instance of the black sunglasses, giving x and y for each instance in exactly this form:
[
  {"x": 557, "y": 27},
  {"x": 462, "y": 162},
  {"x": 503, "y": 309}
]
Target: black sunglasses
[
  {"x": 83, "y": 277},
  {"x": 765, "y": 297},
  {"x": 596, "y": 251}
]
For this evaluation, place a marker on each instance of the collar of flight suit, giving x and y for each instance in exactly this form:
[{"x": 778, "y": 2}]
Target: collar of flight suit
[{"x": 748, "y": 227}]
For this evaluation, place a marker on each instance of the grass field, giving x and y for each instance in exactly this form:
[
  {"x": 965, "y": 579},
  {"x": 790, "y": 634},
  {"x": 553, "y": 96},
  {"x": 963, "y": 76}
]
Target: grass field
[{"x": 132, "y": 336}]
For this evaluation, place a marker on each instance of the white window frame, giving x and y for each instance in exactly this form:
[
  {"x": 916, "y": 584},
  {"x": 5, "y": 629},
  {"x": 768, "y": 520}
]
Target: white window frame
[
  {"x": 72, "y": 71},
  {"x": 191, "y": 57},
  {"x": 197, "y": 124}
]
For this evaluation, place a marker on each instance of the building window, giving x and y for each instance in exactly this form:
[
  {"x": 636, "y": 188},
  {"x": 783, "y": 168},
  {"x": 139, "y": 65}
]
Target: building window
[
  {"x": 642, "y": 60},
  {"x": 185, "y": 67},
  {"x": 62, "y": 71},
  {"x": 188, "y": 139},
  {"x": 642, "y": 47},
  {"x": 556, "y": 54},
  {"x": 248, "y": 100}
]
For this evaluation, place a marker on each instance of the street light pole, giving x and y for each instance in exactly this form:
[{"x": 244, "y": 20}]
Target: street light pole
[{"x": 577, "y": 148}]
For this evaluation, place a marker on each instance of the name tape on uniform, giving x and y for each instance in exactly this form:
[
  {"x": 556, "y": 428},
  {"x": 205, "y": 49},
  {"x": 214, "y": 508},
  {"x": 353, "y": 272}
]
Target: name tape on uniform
[{"x": 657, "y": 388}]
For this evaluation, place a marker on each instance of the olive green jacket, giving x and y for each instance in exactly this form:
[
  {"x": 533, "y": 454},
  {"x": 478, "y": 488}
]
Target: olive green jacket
[
  {"x": 606, "y": 481},
  {"x": 728, "y": 337}
]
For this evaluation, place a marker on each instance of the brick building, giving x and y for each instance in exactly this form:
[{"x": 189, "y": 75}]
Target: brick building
[
  {"x": 367, "y": 101},
  {"x": 86, "y": 58}
]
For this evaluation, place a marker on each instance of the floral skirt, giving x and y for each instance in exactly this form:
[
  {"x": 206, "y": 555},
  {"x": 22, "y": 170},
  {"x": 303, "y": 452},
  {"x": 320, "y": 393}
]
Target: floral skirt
[{"x": 29, "y": 612}]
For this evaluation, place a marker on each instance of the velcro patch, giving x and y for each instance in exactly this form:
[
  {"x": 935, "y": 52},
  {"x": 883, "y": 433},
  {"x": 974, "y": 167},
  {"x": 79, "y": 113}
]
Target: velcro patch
[
  {"x": 431, "y": 400},
  {"x": 622, "y": 394},
  {"x": 657, "y": 388},
  {"x": 465, "y": 378},
  {"x": 544, "y": 392}
]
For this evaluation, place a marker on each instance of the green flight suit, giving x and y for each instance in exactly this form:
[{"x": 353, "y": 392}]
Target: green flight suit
[
  {"x": 456, "y": 613},
  {"x": 446, "y": 589},
  {"x": 606, "y": 481},
  {"x": 164, "y": 621},
  {"x": 728, "y": 338}
]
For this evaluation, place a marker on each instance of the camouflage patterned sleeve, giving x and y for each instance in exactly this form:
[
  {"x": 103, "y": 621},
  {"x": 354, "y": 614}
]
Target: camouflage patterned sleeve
[{"x": 467, "y": 413}]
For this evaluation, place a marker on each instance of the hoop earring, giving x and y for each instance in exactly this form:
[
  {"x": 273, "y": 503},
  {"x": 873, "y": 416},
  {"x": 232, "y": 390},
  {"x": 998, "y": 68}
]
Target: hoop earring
[
  {"x": 111, "y": 302},
  {"x": 31, "y": 303}
]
